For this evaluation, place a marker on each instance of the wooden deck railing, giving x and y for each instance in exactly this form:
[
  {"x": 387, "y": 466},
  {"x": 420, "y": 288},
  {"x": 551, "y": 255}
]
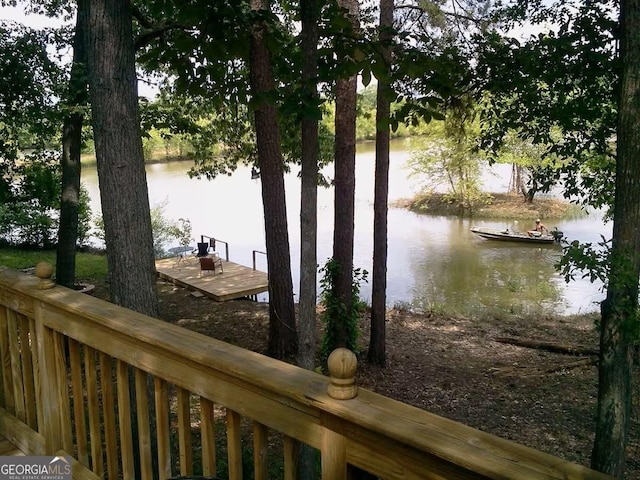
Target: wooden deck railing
[
  {"x": 74, "y": 369},
  {"x": 212, "y": 242},
  {"x": 253, "y": 255}
]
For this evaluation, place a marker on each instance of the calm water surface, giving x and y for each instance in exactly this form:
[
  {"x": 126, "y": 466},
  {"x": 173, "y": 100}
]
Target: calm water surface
[{"x": 433, "y": 261}]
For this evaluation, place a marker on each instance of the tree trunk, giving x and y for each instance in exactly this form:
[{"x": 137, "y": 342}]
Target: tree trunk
[
  {"x": 344, "y": 184},
  {"x": 620, "y": 308},
  {"x": 377, "y": 344},
  {"x": 282, "y": 326},
  {"x": 309, "y": 12},
  {"x": 70, "y": 161},
  {"x": 121, "y": 171}
]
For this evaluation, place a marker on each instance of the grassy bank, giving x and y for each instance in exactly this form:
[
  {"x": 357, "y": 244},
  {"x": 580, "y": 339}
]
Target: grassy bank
[{"x": 90, "y": 267}]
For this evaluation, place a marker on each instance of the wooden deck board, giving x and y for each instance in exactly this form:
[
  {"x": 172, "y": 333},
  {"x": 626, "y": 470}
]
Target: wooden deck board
[
  {"x": 8, "y": 449},
  {"x": 237, "y": 281}
]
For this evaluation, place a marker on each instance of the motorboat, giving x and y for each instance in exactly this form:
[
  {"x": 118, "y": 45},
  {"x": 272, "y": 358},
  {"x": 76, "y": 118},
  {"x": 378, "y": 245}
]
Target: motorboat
[{"x": 514, "y": 236}]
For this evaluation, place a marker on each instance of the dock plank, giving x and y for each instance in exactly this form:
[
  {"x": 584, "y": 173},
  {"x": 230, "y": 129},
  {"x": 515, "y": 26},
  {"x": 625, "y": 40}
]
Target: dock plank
[{"x": 237, "y": 281}]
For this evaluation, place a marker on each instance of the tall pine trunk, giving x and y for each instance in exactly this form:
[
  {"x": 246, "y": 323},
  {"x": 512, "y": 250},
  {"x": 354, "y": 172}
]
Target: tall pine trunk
[
  {"x": 70, "y": 161},
  {"x": 282, "y": 321},
  {"x": 377, "y": 344},
  {"x": 309, "y": 13},
  {"x": 344, "y": 184},
  {"x": 620, "y": 308},
  {"x": 122, "y": 178},
  {"x": 113, "y": 92}
]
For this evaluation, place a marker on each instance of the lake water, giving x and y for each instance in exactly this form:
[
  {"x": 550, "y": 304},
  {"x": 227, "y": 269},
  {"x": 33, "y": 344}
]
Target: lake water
[{"x": 433, "y": 261}]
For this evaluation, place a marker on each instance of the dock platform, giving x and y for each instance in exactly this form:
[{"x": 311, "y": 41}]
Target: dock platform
[{"x": 237, "y": 281}]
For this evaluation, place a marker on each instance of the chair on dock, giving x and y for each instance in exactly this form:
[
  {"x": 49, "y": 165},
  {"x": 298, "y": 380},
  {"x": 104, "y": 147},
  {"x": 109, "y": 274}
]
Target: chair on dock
[
  {"x": 209, "y": 264},
  {"x": 204, "y": 249}
]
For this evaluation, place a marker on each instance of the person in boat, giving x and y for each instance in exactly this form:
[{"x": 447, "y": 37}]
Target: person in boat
[{"x": 539, "y": 228}]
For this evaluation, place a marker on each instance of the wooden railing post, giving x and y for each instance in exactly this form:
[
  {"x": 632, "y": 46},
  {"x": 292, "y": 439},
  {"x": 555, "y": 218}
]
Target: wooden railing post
[
  {"x": 342, "y": 365},
  {"x": 342, "y": 372},
  {"x": 48, "y": 398}
]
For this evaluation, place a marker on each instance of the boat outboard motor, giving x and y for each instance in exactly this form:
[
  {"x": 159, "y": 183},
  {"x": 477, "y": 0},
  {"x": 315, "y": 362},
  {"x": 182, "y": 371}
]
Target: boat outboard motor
[{"x": 556, "y": 234}]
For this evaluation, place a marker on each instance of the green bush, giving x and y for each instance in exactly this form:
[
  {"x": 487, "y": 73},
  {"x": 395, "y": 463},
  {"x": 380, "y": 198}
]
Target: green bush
[
  {"x": 164, "y": 229},
  {"x": 30, "y": 212},
  {"x": 335, "y": 316}
]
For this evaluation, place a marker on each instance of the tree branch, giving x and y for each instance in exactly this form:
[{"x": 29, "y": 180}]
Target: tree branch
[
  {"x": 457, "y": 16},
  {"x": 151, "y": 30},
  {"x": 139, "y": 16},
  {"x": 549, "y": 346},
  {"x": 147, "y": 37}
]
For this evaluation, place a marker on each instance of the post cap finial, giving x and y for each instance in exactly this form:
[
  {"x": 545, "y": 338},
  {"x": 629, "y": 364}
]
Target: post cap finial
[
  {"x": 44, "y": 271},
  {"x": 342, "y": 365}
]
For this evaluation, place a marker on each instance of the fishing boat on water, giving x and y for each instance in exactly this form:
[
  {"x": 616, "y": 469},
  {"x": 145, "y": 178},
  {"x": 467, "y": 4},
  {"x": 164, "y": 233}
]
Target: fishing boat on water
[{"x": 523, "y": 237}]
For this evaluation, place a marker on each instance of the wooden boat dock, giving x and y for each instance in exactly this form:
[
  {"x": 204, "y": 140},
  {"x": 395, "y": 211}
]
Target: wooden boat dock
[{"x": 237, "y": 281}]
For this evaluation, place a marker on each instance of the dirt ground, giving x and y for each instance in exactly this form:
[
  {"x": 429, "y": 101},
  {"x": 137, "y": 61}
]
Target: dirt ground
[{"x": 456, "y": 367}]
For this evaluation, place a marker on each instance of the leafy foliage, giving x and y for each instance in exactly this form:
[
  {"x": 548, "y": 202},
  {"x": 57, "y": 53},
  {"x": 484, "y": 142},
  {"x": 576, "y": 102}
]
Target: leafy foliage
[
  {"x": 29, "y": 214},
  {"x": 589, "y": 259},
  {"x": 561, "y": 80},
  {"x": 335, "y": 315},
  {"x": 29, "y": 85},
  {"x": 452, "y": 160},
  {"x": 165, "y": 230}
]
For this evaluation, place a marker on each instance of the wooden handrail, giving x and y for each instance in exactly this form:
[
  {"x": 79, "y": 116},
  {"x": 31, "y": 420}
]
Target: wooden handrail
[
  {"x": 253, "y": 254},
  {"x": 79, "y": 338},
  {"x": 212, "y": 242}
]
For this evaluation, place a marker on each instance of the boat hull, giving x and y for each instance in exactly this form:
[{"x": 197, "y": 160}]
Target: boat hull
[{"x": 508, "y": 236}]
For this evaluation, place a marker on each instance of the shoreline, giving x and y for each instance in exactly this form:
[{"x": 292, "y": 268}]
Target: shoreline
[{"x": 497, "y": 205}]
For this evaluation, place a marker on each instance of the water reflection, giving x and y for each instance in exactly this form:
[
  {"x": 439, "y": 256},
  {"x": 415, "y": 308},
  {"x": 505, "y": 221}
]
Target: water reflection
[
  {"x": 455, "y": 268},
  {"x": 433, "y": 261}
]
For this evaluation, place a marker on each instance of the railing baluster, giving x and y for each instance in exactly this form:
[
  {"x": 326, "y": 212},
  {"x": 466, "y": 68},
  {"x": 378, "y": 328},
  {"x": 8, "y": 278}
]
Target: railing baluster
[
  {"x": 162, "y": 428},
  {"x": 93, "y": 409},
  {"x": 208, "y": 437},
  {"x": 144, "y": 433},
  {"x": 124, "y": 420},
  {"x": 36, "y": 373},
  {"x": 184, "y": 431},
  {"x": 27, "y": 372},
  {"x": 78, "y": 402},
  {"x": 234, "y": 445},
  {"x": 62, "y": 390},
  {"x": 260, "y": 444},
  {"x": 109, "y": 415},
  {"x": 291, "y": 452},
  {"x": 6, "y": 397},
  {"x": 16, "y": 367}
]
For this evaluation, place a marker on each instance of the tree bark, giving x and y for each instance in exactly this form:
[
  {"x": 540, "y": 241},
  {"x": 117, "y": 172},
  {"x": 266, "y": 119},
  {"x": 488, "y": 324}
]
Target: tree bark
[
  {"x": 344, "y": 184},
  {"x": 282, "y": 326},
  {"x": 121, "y": 171},
  {"x": 309, "y": 12},
  {"x": 620, "y": 308},
  {"x": 377, "y": 354},
  {"x": 70, "y": 161}
]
